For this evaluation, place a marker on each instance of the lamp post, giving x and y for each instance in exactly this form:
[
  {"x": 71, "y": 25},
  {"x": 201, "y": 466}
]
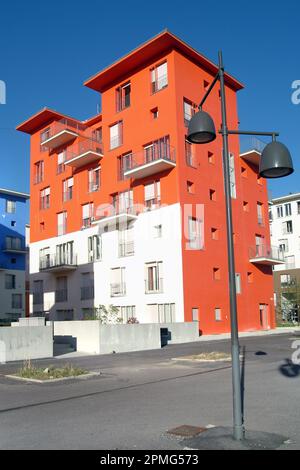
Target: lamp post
[{"x": 275, "y": 162}]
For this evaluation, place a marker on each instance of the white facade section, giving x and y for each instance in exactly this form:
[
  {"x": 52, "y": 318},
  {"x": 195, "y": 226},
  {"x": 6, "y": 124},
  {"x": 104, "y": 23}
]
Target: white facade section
[
  {"x": 139, "y": 266},
  {"x": 285, "y": 229},
  {"x": 12, "y": 287}
]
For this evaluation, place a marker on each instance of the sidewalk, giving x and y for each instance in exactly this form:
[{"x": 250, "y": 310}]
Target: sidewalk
[{"x": 246, "y": 334}]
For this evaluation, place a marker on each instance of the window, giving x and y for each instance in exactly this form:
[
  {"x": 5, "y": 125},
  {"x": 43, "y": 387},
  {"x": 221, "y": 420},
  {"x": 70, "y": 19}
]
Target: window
[
  {"x": 218, "y": 314},
  {"x": 38, "y": 292},
  {"x": 232, "y": 176},
  {"x": 125, "y": 164},
  {"x": 97, "y": 135},
  {"x": 13, "y": 243},
  {"x": 259, "y": 180},
  {"x": 61, "y": 223},
  {"x": 117, "y": 286},
  {"x": 238, "y": 284},
  {"x": 298, "y": 207},
  {"x": 16, "y": 301},
  {"x": 10, "y": 281},
  {"x": 87, "y": 286},
  {"x": 244, "y": 172},
  {"x": 126, "y": 312},
  {"x": 68, "y": 189},
  {"x": 10, "y": 206},
  {"x": 279, "y": 211},
  {"x": 123, "y": 202},
  {"x": 154, "y": 113},
  {"x": 206, "y": 85},
  {"x": 157, "y": 231},
  {"x": 123, "y": 96},
  {"x": 214, "y": 233},
  {"x": 250, "y": 277},
  {"x": 87, "y": 214},
  {"x": 116, "y": 135},
  {"x": 212, "y": 195},
  {"x": 152, "y": 195},
  {"x": 44, "y": 257},
  {"x": 211, "y": 157},
  {"x": 289, "y": 262},
  {"x": 38, "y": 172},
  {"x": 154, "y": 277},
  {"x": 287, "y": 227},
  {"x": 195, "y": 314},
  {"x": 245, "y": 206},
  {"x": 190, "y": 186},
  {"x": 288, "y": 209},
  {"x": 158, "y": 149},
  {"x": 216, "y": 274},
  {"x": 94, "y": 179},
  {"x": 126, "y": 240},
  {"x": 195, "y": 241},
  {"x": 45, "y": 198},
  {"x": 189, "y": 154},
  {"x": 188, "y": 111},
  {"x": 61, "y": 292},
  {"x": 65, "y": 254},
  {"x": 159, "y": 77},
  {"x": 45, "y": 135},
  {"x": 166, "y": 313},
  {"x": 270, "y": 215},
  {"x": 61, "y": 158},
  {"x": 260, "y": 214},
  {"x": 94, "y": 248},
  {"x": 287, "y": 280},
  {"x": 13, "y": 223},
  {"x": 283, "y": 246}
]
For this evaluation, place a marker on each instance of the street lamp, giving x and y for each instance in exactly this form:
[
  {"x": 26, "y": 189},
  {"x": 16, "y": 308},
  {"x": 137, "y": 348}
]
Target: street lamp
[{"x": 275, "y": 162}]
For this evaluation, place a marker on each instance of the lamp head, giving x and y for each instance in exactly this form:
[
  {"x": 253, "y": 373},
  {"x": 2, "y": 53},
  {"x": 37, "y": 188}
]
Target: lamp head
[
  {"x": 201, "y": 129},
  {"x": 275, "y": 161}
]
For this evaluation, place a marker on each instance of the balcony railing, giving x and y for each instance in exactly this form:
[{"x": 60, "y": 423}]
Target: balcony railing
[
  {"x": 60, "y": 133},
  {"x": 14, "y": 246},
  {"x": 61, "y": 295},
  {"x": 117, "y": 289},
  {"x": 154, "y": 286},
  {"x": 83, "y": 153},
  {"x": 117, "y": 212},
  {"x": 58, "y": 263},
  {"x": 87, "y": 292},
  {"x": 263, "y": 254},
  {"x": 152, "y": 204},
  {"x": 151, "y": 161}
]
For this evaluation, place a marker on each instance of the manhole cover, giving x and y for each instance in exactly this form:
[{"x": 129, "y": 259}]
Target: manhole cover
[{"x": 186, "y": 431}]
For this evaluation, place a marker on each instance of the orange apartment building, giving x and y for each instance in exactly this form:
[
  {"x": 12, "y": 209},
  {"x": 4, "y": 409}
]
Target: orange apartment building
[{"x": 124, "y": 211}]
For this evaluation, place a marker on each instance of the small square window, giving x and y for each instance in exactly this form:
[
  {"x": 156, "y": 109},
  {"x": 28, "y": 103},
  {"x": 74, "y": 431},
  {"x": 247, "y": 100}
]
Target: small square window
[
  {"x": 216, "y": 274},
  {"x": 42, "y": 226},
  {"x": 245, "y": 206},
  {"x": 206, "y": 85},
  {"x": 195, "y": 314},
  {"x": 13, "y": 223},
  {"x": 259, "y": 180},
  {"x": 218, "y": 314},
  {"x": 154, "y": 113},
  {"x": 250, "y": 277},
  {"x": 190, "y": 186},
  {"x": 244, "y": 172},
  {"x": 13, "y": 260},
  {"x": 157, "y": 231},
  {"x": 214, "y": 233},
  {"x": 212, "y": 195},
  {"x": 211, "y": 157}
]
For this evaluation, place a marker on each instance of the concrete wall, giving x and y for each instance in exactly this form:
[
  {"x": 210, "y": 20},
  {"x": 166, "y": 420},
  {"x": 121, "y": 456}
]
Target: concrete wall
[
  {"x": 26, "y": 342},
  {"x": 181, "y": 332},
  {"x": 92, "y": 337}
]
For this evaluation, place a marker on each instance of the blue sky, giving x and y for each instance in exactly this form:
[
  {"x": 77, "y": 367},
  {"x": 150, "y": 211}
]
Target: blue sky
[{"x": 49, "y": 49}]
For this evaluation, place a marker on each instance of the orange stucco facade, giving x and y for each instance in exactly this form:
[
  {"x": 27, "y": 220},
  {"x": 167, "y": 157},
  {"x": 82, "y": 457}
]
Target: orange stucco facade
[{"x": 188, "y": 76}]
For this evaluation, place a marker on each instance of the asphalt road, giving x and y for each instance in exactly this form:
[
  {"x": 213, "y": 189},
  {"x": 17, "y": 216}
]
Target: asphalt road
[{"x": 139, "y": 396}]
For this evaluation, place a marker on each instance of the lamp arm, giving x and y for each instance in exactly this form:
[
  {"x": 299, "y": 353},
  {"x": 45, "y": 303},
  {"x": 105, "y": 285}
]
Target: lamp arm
[
  {"x": 209, "y": 90},
  {"x": 270, "y": 134}
]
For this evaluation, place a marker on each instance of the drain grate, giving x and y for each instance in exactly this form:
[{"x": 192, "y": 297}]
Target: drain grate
[{"x": 186, "y": 431}]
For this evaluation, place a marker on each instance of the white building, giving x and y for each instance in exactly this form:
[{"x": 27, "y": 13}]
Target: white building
[{"x": 284, "y": 216}]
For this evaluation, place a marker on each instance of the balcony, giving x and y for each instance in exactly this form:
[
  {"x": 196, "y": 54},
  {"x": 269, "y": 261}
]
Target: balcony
[
  {"x": 251, "y": 150},
  {"x": 148, "y": 163},
  {"x": 266, "y": 255},
  {"x": 154, "y": 286},
  {"x": 14, "y": 246},
  {"x": 115, "y": 215},
  {"x": 60, "y": 133},
  {"x": 84, "y": 153},
  {"x": 117, "y": 289},
  {"x": 126, "y": 249},
  {"x": 58, "y": 264}
]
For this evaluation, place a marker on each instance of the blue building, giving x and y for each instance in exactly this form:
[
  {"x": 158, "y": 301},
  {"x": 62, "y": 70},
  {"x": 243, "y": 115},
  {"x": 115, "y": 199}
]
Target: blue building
[{"x": 14, "y": 214}]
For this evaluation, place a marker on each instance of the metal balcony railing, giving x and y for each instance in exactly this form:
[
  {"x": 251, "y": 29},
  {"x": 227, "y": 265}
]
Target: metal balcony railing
[
  {"x": 251, "y": 143},
  {"x": 151, "y": 155},
  {"x": 126, "y": 249},
  {"x": 154, "y": 286},
  {"x": 268, "y": 252},
  {"x": 15, "y": 246},
  {"x": 82, "y": 148},
  {"x": 56, "y": 261},
  {"x": 117, "y": 289},
  {"x": 60, "y": 126},
  {"x": 87, "y": 292}
]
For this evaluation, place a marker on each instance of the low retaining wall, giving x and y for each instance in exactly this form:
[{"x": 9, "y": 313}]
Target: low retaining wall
[
  {"x": 92, "y": 337},
  {"x": 26, "y": 342}
]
